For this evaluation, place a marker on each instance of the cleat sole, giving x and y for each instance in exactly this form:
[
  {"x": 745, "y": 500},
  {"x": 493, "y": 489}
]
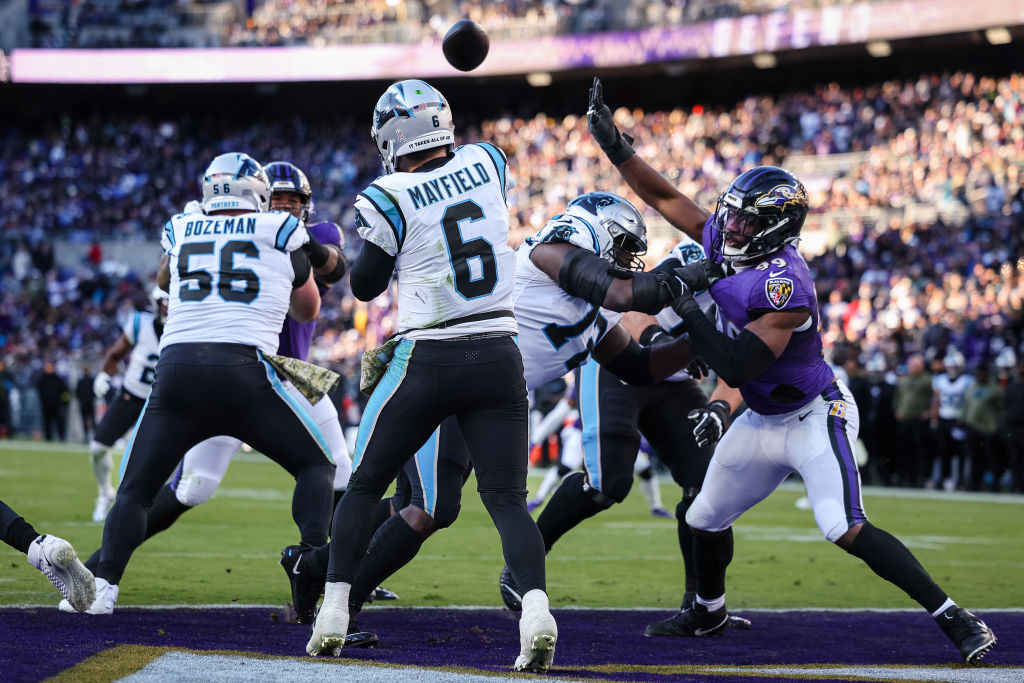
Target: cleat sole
[{"x": 542, "y": 653}]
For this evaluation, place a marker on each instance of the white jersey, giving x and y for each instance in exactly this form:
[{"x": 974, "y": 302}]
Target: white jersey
[
  {"x": 231, "y": 277},
  {"x": 138, "y": 378},
  {"x": 687, "y": 251},
  {"x": 556, "y": 331},
  {"x": 447, "y": 225},
  {"x": 951, "y": 394}
]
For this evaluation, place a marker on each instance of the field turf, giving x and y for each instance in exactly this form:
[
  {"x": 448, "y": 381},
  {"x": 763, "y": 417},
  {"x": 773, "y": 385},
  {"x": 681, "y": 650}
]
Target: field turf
[{"x": 225, "y": 552}]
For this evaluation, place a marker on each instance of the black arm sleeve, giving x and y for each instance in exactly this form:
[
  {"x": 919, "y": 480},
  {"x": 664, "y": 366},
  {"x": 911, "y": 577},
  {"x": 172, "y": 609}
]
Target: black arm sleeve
[
  {"x": 318, "y": 253},
  {"x": 300, "y": 264},
  {"x": 371, "y": 272},
  {"x": 737, "y": 361},
  {"x": 340, "y": 268},
  {"x": 585, "y": 275},
  {"x": 632, "y": 365}
]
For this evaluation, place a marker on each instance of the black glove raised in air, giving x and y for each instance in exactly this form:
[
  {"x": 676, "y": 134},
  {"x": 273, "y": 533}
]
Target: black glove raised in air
[{"x": 602, "y": 127}]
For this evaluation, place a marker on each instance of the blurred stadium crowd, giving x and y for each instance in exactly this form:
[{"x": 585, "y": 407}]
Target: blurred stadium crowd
[
  {"x": 224, "y": 23},
  {"x": 916, "y": 232}
]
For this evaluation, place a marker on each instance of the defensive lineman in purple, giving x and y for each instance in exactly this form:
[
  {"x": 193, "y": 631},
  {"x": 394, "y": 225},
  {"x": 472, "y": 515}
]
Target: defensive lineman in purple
[{"x": 766, "y": 343}]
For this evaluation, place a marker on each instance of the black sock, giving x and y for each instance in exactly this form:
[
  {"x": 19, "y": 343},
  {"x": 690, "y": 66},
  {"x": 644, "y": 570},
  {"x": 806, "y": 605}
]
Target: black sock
[
  {"x": 712, "y": 553},
  {"x": 393, "y": 546},
  {"x": 14, "y": 530},
  {"x": 686, "y": 541},
  {"x": 164, "y": 511},
  {"x": 891, "y": 560},
  {"x": 569, "y": 506}
]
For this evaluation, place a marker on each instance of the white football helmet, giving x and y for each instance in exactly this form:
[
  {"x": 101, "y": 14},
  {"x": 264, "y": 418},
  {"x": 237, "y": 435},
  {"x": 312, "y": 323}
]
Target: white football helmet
[
  {"x": 619, "y": 227},
  {"x": 235, "y": 181},
  {"x": 409, "y": 117}
]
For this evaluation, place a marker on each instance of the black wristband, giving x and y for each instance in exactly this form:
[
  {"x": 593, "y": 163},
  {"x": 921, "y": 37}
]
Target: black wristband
[
  {"x": 318, "y": 253},
  {"x": 340, "y": 268},
  {"x": 650, "y": 294},
  {"x": 620, "y": 151}
]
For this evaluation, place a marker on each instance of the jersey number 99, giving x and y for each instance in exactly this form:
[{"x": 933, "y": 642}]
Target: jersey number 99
[{"x": 197, "y": 284}]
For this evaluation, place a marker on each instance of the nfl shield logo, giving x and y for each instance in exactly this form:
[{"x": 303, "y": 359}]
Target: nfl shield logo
[{"x": 779, "y": 290}]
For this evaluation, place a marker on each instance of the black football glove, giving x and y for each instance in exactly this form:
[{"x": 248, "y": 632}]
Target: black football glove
[
  {"x": 710, "y": 423},
  {"x": 700, "y": 275},
  {"x": 682, "y": 301},
  {"x": 651, "y": 335},
  {"x": 599, "y": 119}
]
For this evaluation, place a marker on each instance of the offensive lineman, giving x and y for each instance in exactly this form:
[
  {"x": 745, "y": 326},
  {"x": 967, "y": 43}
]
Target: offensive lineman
[
  {"x": 614, "y": 415},
  {"x": 233, "y": 275},
  {"x": 767, "y": 344},
  {"x": 205, "y": 464},
  {"x": 140, "y": 337}
]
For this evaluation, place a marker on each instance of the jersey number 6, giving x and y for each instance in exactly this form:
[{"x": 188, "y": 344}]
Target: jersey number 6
[
  {"x": 196, "y": 285},
  {"x": 460, "y": 252}
]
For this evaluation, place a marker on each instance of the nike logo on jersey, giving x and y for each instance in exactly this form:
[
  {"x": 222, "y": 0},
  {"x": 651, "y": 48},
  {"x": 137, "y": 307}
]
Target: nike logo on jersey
[
  {"x": 776, "y": 273},
  {"x": 805, "y": 415}
]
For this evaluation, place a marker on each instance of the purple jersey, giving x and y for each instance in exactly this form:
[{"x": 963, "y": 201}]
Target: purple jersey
[
  {"x": 781, "y": 282},
  {"x": 296, "y": 337}
]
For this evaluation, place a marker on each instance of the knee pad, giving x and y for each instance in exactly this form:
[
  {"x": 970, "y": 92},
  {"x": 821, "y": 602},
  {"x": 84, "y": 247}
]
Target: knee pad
[{"x": 195, "y": 488}]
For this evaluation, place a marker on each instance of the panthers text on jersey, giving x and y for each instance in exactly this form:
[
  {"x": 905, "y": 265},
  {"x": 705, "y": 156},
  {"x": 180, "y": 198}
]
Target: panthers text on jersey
[
  {"x": 781, "y": 282},
  {"x": 231, "y": 277},
  {"x": 687, "y": 251},
  {"x": 447, "y": 225},
  {"x": 141, "y": 371},
  {"x": 556, "y": 331}
]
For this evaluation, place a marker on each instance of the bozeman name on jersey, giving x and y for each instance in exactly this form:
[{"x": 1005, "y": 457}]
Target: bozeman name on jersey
[
  {"x": 231, "y": 277},
  {"x": 556, "y": 331},
  {"x": 687, "y": 251},
  {"x": 447, "y": 225},
  {"x": 138, "y": 378}
]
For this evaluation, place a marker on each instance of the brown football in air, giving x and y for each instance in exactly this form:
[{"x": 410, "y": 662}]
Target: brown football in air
[{"x": 465, "y": 45}]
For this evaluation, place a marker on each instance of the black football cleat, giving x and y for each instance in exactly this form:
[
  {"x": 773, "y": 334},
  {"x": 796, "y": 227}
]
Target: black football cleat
[
  {"x": 381, "y": 593},
  {"x": 357, "y": 638},
  {"x": 695, "y": 622},
  {"x": 306, "y": 588},
  {"x": 510, "y": 590},
  {"x": 690, "y": 597},
  {"x": 969, "y": 633}
]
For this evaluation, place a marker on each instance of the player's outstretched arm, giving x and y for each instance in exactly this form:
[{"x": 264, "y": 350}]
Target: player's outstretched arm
[
  {"x": 738, "y": 361},
  {"x": 639, "y": 365},
  {"x": 586, "y": 275},
  {"x": 305, "y": 297},
  {"x": 678, "y": 209}
]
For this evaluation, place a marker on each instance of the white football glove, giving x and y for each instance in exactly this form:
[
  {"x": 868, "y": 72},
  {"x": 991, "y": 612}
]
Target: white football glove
[
  {"x": 710, "y": 423},
  {"x": 101, "y": 385}
]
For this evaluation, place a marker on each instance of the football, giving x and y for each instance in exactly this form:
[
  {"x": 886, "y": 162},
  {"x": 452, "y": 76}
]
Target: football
[{"x": 465, "y": 45}]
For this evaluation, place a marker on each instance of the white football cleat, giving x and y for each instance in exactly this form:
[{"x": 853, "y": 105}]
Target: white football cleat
[
  {"x": 537, "y": 634},
  {"x": 331, "y": 622},
  {"x": 103, "y": 504},
  {"x": 55, "y": 558},
  {"x": 106, "y": 598}
]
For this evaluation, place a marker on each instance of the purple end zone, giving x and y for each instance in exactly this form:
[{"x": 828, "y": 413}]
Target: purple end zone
[{"x": 38, "y": 643}]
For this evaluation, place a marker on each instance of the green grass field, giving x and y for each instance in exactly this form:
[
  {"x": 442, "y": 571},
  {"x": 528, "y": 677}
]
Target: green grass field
[{"x": 226, "y": 551}]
